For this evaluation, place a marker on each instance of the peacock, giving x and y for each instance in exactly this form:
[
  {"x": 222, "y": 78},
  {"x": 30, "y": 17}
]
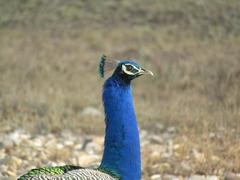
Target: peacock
[{"x": 121, "y": 157}]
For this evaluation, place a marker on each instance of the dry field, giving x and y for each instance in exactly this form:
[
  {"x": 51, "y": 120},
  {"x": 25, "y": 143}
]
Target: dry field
[{"x": 49, "y": 81}]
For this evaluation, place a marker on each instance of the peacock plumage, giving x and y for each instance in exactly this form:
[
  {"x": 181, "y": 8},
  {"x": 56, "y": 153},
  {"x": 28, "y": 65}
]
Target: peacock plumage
[{"x": 121, "y": 156}]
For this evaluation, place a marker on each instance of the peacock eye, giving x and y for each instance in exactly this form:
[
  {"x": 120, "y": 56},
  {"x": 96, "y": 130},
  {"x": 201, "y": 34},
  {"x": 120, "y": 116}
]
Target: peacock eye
[{"x": 129, "y": 67}]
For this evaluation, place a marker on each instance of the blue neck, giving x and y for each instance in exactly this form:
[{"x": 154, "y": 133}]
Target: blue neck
[{"x": 122, "y": 148}]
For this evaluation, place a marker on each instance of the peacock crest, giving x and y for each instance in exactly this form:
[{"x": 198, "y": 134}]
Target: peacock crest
[{"x": 106, "y": 63}]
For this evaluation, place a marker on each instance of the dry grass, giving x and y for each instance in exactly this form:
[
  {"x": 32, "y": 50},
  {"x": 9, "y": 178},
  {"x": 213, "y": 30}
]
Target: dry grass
[{"x": 48, "y": 74}]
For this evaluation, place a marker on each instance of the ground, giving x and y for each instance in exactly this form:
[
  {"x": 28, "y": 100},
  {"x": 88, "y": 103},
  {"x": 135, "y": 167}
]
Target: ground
[{"x": 49, "y": 81}]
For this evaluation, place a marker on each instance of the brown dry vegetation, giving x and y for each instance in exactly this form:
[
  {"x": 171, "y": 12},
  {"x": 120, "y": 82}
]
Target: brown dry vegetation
[{"x": 48, "y": 70}]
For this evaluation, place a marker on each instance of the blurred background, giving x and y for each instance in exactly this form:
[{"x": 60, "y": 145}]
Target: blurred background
[{"x": 50, "y": 90}]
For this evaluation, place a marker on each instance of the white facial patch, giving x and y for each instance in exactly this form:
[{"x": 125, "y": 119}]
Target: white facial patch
[{"x": 130, "y": 69}]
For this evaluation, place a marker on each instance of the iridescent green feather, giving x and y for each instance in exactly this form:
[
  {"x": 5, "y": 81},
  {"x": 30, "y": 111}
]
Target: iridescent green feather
[{"x": 49, "y": 171}]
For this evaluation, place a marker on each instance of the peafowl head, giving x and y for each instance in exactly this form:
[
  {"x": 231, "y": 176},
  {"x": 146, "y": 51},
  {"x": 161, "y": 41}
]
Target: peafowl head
[{"x": 126, "y": 70}]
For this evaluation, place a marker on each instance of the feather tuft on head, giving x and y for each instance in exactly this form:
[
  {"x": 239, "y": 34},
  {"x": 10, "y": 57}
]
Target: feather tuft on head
[{"x": 106, "y": 64}]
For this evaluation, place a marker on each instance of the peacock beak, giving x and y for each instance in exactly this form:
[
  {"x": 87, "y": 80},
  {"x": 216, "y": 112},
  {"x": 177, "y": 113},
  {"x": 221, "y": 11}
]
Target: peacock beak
[{"x": 145, "y": 71}]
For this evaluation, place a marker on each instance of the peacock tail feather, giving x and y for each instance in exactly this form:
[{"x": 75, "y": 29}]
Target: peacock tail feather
[{"x": 51, "y": 171}]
